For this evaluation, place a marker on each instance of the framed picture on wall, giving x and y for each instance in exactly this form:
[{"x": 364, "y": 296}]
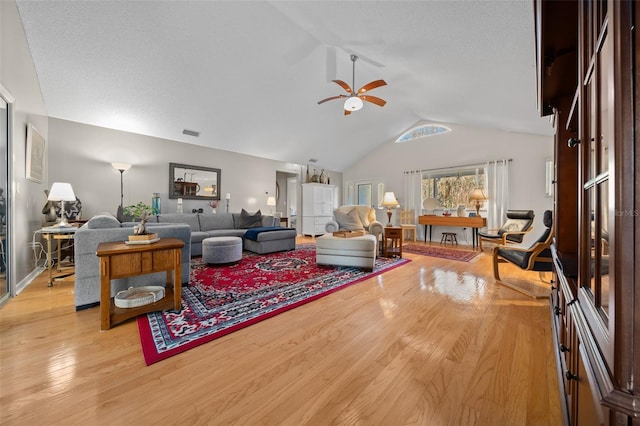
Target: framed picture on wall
[{"x": 35, "y": 155}]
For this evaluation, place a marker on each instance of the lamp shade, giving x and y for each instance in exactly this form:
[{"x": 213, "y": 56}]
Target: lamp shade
[
  {"x": 271, "y": 201},
  {"x": 478, "y": 194},
  {"x": 389, "y": 200},
  {"x": 353, "y": 103},
  {"x": 122, "y": 167},
  {"x": 61, "y": 191}
]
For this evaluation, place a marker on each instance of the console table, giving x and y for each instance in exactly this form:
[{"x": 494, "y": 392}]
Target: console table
[
  {"x": 461, "y": 222},
  {"x": 121, "y": 260}
]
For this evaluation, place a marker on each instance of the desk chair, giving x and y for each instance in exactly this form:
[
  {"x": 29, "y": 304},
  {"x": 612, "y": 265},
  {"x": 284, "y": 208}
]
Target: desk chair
[{"x": 408, "y": 223}]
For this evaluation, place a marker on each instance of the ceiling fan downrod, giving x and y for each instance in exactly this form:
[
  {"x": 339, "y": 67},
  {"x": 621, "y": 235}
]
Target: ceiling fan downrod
[{"x": 353, "y": 102}]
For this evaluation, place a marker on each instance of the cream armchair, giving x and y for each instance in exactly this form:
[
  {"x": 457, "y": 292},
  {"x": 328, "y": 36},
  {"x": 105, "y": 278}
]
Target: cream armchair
[{"x": 367, "y": 216}]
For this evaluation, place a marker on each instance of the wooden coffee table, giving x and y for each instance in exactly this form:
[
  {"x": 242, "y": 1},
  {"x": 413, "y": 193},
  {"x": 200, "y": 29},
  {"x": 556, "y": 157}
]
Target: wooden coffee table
[{"x": 120, "y": 260}]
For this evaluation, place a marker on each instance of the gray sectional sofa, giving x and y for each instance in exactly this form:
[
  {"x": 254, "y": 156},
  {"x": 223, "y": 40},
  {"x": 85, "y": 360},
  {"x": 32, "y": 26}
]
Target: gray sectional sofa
[
  {"x": 205, "y": 225},
  {"x": 190, "y": 228}
]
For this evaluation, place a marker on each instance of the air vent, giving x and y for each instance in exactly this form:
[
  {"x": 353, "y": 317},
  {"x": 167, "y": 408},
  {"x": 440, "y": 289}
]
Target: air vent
[
  {"x": 313, "y": 160},
  {"x": 190, "y": 132}
]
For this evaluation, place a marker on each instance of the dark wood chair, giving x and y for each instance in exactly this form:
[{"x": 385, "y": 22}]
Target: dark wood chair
[
  {"x": 537, "y": 257},
  {"x": 518, "y": 224}
]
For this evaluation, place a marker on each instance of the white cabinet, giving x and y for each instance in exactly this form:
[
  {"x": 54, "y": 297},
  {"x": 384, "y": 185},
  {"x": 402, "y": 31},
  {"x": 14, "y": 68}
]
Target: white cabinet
[{"x": 317, "y": 207}]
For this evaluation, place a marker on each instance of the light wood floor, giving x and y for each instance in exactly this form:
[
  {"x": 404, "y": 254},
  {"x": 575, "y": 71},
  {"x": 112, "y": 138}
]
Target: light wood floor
[{"x": 434, "y": 342}]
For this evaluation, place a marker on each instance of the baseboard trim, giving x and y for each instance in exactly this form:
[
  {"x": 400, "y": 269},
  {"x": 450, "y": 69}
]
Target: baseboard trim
[{"x": 24, "y": 283}]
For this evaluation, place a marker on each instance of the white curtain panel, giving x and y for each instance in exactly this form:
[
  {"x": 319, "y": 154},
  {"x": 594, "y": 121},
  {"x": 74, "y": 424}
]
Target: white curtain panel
[
  {"x": 497, "y": 184},
  {"x": 413, "y": 196}
]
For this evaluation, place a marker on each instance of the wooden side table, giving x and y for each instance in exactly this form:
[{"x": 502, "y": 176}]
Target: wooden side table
[
  {"x": 392, "y": 241},
  {"x": 120, "y": 260},
  {"x": 56, "y": 234}
]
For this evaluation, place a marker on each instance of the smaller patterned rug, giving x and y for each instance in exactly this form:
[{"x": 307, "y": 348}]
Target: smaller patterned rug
[
  {"x": 442, "y": 252},
  {"x": 224, "y": 298}
]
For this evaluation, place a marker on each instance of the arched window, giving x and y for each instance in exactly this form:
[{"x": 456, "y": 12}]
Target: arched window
[{"x": 422, "y": 131}]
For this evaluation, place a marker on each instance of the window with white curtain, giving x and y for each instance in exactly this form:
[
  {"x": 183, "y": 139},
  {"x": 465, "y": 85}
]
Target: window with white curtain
[{"x": 451, "y": 187}]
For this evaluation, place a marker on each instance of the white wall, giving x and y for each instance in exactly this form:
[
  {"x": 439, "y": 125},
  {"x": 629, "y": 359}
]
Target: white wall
[
  {"x": 18, "y": 77},
  {"x": 462, "y": 146},
  {"x": 82, "y": 155}
]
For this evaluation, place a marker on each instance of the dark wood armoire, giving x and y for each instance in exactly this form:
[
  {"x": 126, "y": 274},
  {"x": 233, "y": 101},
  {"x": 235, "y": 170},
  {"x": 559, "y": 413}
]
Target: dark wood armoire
[{"x": 587, "y": 75}]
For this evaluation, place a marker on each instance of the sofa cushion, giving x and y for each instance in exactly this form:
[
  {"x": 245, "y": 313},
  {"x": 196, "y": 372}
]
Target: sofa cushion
[
  {"x": 103, "y": 221},
  {"x": 188, "y": 218},
  {"x": 248, "y": 220},
  {"x": 366, "y": 213},
  {"x": 214, "y": 221},
  {"x": 348, "y": 221}
]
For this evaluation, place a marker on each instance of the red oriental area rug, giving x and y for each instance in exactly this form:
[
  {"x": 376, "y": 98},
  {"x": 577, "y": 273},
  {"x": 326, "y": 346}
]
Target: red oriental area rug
[
  {"x": 442, "y": 252},
  {"x": 226, "y": 298}
]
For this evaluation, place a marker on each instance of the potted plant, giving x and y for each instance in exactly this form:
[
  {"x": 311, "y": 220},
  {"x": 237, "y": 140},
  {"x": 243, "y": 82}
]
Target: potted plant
[{"x": 140, "y": 211}]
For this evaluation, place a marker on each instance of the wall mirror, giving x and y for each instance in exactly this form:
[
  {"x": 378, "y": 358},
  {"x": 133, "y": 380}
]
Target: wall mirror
[{"x": 193, "y": 182}]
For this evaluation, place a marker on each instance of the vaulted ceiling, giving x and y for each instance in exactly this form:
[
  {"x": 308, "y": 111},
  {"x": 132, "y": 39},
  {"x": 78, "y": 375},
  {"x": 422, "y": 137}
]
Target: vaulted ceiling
[{"x": 248, "y": 74}]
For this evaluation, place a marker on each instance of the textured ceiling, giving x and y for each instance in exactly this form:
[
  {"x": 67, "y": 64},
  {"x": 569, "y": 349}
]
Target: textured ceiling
[{"x": 248, "y": 75}]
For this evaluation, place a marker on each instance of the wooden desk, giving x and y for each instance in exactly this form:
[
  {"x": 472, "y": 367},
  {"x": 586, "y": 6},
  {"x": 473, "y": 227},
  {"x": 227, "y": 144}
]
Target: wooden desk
[
  {"x": 120, "y": 260},
  {"x": 56, "y": 234},
  {"x": 461, "y": 222}
]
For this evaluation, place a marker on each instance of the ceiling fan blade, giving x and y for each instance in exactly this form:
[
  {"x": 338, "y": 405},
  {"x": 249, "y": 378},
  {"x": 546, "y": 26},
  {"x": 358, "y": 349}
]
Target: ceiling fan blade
[
  {"x": 373, "y": 100},
  {"x": 347, "y": 112},
  {"x": 344, "y": 85},
  {"x": 332, "y": 98},
  {"x": 372, "y": 85}
]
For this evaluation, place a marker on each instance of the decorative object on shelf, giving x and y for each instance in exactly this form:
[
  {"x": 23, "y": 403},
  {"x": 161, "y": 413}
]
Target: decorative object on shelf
[
  {"x": 446, "y": 213},
  {"x": 389, "y": 201},
  {"x": 214, "y": 205},
  {"x": 322, "y": 177},
  {"x": 121, "y": 167},
  {"x": 430, "y": 204},
  {"x": 134, "y": 297},
  {"x": 140, "y": 234},
  {"x": 308, "y": 178},
  {"x": 314, "y": 177},
  {"x": 155, "y": 203},
  {"x": 271, "y": 202},
  {"x": 61, "y": 191},
  {"x": 478, "y": 195},
  {"x": 228, "y": 198},
  {"x": 462, "y": 211}
]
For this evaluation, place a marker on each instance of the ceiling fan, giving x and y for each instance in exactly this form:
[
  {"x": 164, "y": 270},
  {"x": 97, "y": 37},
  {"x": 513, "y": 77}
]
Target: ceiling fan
[{"x": 353, "y": 101}]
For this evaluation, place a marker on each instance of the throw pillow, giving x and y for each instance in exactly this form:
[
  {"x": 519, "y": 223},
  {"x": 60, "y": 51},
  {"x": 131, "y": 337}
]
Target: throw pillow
[
  {"x": 248, "y": 220},
  {"x": 348, "y": 221}
]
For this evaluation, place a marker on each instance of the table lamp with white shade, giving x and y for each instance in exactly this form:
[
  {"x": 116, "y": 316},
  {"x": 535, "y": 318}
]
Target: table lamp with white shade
[
  {"x": 61, "y": 191},
  {"x": 389, "y": 201},
  {"x": 271, "y": 201}
]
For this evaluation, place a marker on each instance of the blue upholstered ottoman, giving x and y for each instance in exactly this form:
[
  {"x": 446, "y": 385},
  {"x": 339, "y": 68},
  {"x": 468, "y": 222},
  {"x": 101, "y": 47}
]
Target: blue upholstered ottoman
[{"x": 222, "y": 249}]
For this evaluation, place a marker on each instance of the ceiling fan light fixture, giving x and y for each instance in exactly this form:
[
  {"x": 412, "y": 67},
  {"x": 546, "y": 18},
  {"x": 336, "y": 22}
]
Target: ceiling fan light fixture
[{"x": 353, "y": 103}]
